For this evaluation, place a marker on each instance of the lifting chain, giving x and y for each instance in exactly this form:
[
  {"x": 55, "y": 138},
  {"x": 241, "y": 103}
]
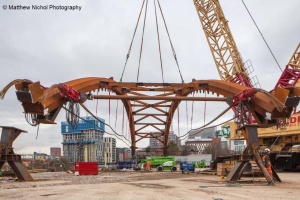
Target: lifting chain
[
  {"x": 30, "y": 118},
  {"x": 72, "y": 113}
]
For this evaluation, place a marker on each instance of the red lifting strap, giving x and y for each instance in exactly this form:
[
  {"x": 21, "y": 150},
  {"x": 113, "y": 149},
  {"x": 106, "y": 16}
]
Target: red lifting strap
[
  {"x": 68, "y": 92},
  {"x": 244, "y": 95}
]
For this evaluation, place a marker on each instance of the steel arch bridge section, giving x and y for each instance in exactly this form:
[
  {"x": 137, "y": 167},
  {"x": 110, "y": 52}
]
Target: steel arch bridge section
[{"x": 149, "y": 106}]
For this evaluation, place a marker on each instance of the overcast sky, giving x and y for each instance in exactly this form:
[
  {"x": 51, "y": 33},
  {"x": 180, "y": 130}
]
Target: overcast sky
[{"x": 54, "y": 46}]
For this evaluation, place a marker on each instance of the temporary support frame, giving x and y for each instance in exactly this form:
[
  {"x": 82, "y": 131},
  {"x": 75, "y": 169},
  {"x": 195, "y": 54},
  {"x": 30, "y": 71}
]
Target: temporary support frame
[
  {"x": 251, "y": 153},
  {"x": 9, "y": 134}
]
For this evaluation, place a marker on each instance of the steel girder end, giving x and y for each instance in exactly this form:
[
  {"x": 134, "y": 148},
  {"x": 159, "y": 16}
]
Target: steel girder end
[{"x": 292, "y": 101}]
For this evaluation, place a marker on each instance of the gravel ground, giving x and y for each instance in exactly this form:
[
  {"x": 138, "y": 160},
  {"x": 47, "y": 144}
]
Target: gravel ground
[
  {"x": 147, "y": 186},
  {"x": 63, "y": 178}
]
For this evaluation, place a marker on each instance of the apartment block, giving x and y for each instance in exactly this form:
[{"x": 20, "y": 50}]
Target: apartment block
[
  {"x": 109, "y": 149},
  {"x": 83, "y": 143}
]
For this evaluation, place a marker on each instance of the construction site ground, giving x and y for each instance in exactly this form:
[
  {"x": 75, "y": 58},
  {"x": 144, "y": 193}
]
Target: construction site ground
[{"x": 127, "y": 184}]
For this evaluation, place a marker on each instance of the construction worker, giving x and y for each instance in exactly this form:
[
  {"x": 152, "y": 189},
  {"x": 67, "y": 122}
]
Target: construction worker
[
  {"x": 267, "y": 161},
  {"x": 148, "y": 166}
]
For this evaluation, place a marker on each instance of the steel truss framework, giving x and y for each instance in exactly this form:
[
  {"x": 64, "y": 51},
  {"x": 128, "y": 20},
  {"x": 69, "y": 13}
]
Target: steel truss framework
[{"x": 150, "y": 106}]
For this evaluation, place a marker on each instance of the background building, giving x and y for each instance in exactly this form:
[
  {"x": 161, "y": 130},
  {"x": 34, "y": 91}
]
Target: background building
[
  {"x": 40, "y": 156},
  {"x": 109, "y": 150},
  {"x": 215, "y": 141},
  {"x": 200, "y": 144},
  {"x": 55, "y": 152},
  {"x": 123, "y": 154},
  {"x": 236, "y": 146},
  {"x": 156, "y": 143},
  {"x": 120, "y": 154},
  {"x": 201, "y": 139},
  {"x": 85, "y": 142},
  {"x": 203, "y": 134}
]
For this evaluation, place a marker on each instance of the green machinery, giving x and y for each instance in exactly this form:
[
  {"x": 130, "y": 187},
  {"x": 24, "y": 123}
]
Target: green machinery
[
  {"x": 200, "y": 164},
  {"x": 160, "y": 163}
]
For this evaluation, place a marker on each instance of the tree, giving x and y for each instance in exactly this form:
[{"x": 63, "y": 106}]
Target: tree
[
  {"x": 207, "y": 149},
  {"x": 173, "y": 149},
  {"x": 185, "y": 150},
  {"x": 147, "y": 149}
]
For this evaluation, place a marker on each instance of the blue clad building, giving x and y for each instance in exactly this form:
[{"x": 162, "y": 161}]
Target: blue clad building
[
  {"x": 84, "y": 143},
  {"x": 86, "y": 124}
]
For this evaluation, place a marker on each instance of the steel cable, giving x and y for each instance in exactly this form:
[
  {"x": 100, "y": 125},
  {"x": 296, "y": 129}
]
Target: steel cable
[
  {"x": 142, "y": 42},
  {"x": 37, "y": 131},
  {"x": 129, "y": 50},
  {"x": 30, "y": 118},
  {"x": 187, "y": 115},
  {"x": 88, "y": 111},
  {"x": 6, "y": 88},
  {"x": 158, "y": 39},
  {"x": 116, "y": 114},
  {"x": 173, "y": 49},
  {"x": 262, "y": 36},
  {"x": 204, "y": 128},
  {"x": 222, "y": 113},
  {"x": 192, "y": 116},
  {"x": 71, "y": 117},
  {"x": 96, "y": 124}
]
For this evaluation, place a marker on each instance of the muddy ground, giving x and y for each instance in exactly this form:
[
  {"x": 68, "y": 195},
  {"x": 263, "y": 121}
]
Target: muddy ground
[{"x": 147, "y": 185}]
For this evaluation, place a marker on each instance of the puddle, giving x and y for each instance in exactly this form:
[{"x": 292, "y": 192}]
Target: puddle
[
  {"x": 46, "y": 195},
  {"x": 8, "y": 181},
  {"x": 149, "y": 185}
]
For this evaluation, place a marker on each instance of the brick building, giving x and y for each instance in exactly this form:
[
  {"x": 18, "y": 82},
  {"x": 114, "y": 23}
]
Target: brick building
[{"x": 55, "y": 152}]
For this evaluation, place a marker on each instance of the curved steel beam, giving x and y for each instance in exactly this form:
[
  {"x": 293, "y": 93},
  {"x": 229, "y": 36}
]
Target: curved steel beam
[{"x": 50, "y": 99}]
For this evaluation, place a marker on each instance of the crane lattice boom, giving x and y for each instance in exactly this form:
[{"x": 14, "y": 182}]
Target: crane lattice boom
[
  {"x": 222, "y": 45},
  {"x": 291, "y": 74}
]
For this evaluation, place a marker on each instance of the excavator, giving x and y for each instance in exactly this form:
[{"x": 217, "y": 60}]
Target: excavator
[{"x": 279, "y": 138}]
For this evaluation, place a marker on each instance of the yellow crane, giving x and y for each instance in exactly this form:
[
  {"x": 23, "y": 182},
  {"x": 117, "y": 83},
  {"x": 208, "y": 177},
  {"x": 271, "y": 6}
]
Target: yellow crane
[
  {"x": 282, "y": 137},
  {"x": 227, "y": 58},
  {"x": 287, "y": 133},
  {"x": 231, "y": 68}
]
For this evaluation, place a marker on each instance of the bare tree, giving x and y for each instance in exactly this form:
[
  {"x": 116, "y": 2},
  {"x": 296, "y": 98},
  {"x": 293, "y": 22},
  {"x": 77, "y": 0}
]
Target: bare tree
[
  {"x": 173, "y": 149},
  {"x": 207, "y": 149}
]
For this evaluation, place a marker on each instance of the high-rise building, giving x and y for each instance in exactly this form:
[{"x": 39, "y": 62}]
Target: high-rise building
[
  {"x": 109, "y": 150},
  {"x": 156, "y": 143},
  {"x": 55, "y": 152},
  {"x": 84, "y": 143}
]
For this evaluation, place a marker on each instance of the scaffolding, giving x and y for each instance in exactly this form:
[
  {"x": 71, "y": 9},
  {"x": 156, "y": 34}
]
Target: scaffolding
[{"x": 85, "y": 142}]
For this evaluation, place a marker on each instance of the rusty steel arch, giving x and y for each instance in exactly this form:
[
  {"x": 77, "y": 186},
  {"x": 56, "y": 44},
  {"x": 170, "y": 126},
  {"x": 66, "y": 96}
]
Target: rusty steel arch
[{"x": 46, "y": 102}]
